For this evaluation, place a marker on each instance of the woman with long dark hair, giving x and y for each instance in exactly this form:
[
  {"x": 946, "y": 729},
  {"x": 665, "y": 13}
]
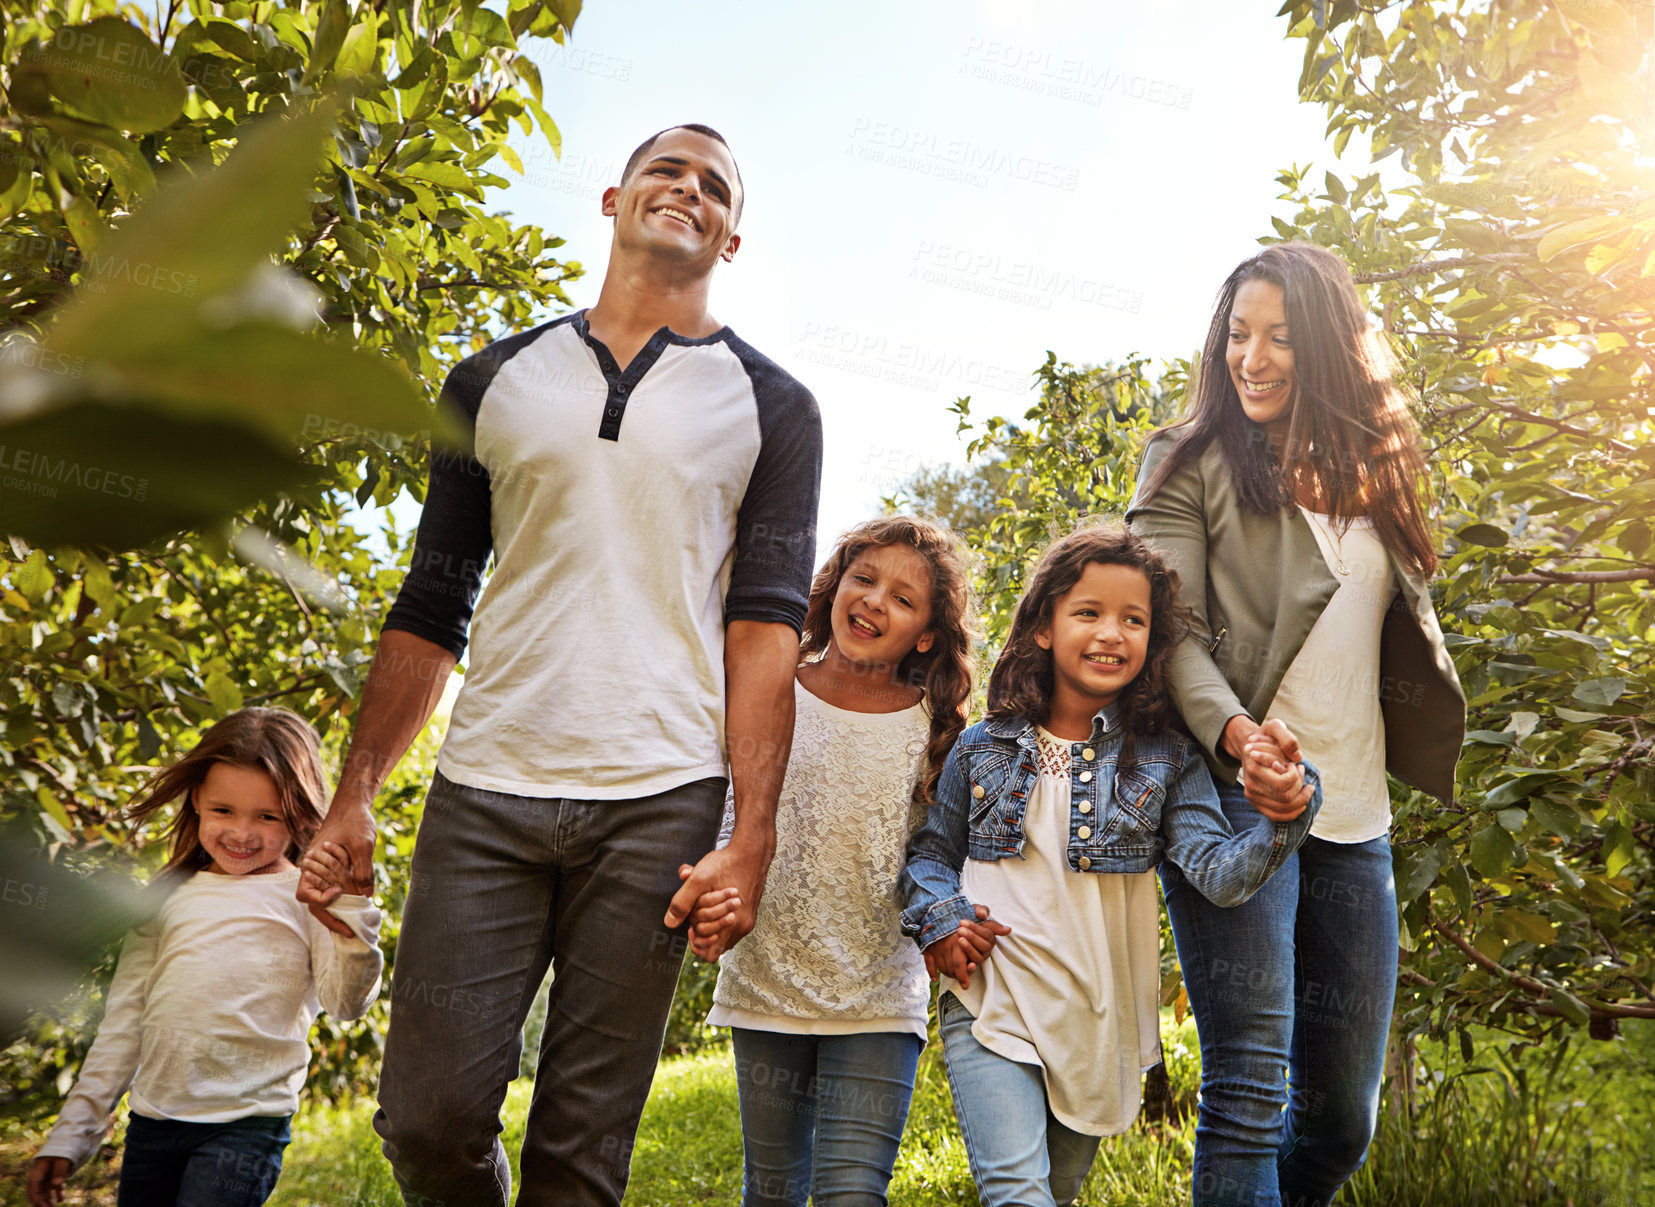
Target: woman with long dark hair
[{"x": 1289, "y": 500}]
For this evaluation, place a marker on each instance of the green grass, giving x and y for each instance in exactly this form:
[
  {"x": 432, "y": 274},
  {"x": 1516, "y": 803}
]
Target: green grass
[{"x": 1570, "y": 1126}]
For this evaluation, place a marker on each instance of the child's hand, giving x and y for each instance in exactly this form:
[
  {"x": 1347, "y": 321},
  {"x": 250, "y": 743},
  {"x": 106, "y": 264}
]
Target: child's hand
[
  {"x": 712, "y": 920},
  {"x": 960, "y": 954},
  {"x": 328, "y": 868},
  {"x": 980, "y": 936},
  {"x": 1271, "y": 773},
  {"x": 46, "y": 1178}
]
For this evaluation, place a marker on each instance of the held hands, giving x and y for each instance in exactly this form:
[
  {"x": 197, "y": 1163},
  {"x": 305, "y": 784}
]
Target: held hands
[
  {"x": 719, "y": 898},
  {"x": 326, "y": 866},
  {"x": 1272, "y": 774},
  {"x": 46, "y": 1178},
  {"x": 960, "y": 954},
  {"x": 350, "y": 831}
]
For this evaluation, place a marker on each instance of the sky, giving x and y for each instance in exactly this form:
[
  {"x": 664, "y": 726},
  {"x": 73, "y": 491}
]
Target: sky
[{"x": 938, "y": 193}]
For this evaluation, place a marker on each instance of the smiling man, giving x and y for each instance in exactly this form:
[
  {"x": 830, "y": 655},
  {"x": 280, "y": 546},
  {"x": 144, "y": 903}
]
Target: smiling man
[{"x": 647, "y": 484}]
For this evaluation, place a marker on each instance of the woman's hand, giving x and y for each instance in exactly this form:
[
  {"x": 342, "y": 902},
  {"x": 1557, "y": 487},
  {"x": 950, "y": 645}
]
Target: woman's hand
[{"x": 1269, "y": 755}]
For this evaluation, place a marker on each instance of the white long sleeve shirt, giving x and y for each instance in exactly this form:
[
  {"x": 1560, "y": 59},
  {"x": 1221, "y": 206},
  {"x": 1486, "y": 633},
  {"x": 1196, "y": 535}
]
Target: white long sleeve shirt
[{"x": 208, "y": 1017}]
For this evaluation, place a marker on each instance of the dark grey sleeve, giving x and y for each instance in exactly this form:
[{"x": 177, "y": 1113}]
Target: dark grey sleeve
[
  {"x": 776, "y": 523},
  {"x": 451, "y": 550}
]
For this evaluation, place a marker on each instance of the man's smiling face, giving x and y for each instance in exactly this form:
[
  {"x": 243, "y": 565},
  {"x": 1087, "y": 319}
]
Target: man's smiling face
[{"x": 681, "y": 202}]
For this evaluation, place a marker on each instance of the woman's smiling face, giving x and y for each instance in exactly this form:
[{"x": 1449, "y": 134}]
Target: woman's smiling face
[{"x": 1260, "y": 356}]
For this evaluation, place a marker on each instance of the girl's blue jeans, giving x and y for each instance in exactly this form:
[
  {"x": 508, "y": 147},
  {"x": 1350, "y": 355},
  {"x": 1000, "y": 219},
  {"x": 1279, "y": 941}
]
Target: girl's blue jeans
[
  {"x": 822, "y": 1115},
  {"x": 170, "y": 1163},
  {"x": 1292, "y": 993},
  {"x": 1019, "y": 1153}
]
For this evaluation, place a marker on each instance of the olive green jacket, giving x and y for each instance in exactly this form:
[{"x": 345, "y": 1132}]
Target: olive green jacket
[{"x": 1256, "y": 585}]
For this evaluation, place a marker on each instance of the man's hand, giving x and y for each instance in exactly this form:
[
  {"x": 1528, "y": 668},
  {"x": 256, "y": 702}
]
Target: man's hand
[
  {"x": 734, "y": 876},
  {"x": 46, "y": 1178},
  {"x": 404, "y": 685},
  {"x": 1270, "y": 772},
  {"x": 350, "y": 830}
]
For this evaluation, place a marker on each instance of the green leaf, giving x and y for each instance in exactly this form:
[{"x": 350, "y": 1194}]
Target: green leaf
[
  {"x": 1420, "y": 873},
  {"x": 223, "y": 692},
  {"x": 100, "y": 475},
  {"x": 33, "y": 579},
  {"x": 198, "y": 237},
  {"x": 331, "y": 27},
  {"x": 111, "y": 72},
  {"x": 1492, "y": 851},
  {"x": 1458, "y": 881},
  {"x": 1599, "y": 693},
  {"x": 1482, "y": 534},
  {"x": 1536, "y": 928},
  {"x": 1575, "y": 1010}
]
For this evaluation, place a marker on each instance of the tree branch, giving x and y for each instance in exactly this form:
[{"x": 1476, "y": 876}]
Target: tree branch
[
  {"x": 1420, "y": 270},
  {"x": 1530, "y": 985},
  {"x": 1553, "y": 577}
]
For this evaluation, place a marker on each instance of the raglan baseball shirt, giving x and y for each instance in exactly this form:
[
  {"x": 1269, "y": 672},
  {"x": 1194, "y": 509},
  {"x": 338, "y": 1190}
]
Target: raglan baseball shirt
[{"x": 631, "y": 515}]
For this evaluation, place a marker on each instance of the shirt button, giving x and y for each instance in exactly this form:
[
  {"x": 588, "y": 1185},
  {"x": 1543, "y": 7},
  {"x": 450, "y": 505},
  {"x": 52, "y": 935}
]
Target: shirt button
[
  {"x": 622, "y": 388},
  {"x": 978, "y": 791},
  {"x": 613, "y": 411},
  {"x": 1084, "y": 832},
  {"x": 1085, "y": 863},
  {"x": 1088, "y": 754},
  {"x": 1085, "y": 806},
  {"x": 1085, "y": 777}
]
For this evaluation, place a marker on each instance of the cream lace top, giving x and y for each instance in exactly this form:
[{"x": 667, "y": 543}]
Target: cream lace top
[{"x": 827, "y": 955}]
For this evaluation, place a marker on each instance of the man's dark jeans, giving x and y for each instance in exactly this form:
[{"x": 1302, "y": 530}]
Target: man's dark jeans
[{"x": 503, "y": 887}]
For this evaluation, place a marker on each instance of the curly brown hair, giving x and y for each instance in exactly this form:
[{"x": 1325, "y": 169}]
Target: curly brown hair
[
  {"x": 1022, "y": 682},
  {"x": 944, "y": 670},
  {"x": 279, "y": 743}
]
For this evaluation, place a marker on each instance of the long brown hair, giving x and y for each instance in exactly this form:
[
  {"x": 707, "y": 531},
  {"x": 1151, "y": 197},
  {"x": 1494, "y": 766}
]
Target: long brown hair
[
  {"x": 272, "y": 740},
  {"x": 1022, "y": 682},
  {"x": 1350, "y": 436},
  {"x": 944, "y": 670}
]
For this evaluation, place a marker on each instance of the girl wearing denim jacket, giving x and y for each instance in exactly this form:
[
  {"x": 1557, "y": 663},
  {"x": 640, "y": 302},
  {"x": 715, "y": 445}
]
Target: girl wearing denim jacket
[{"x": 1053, "y": 812}]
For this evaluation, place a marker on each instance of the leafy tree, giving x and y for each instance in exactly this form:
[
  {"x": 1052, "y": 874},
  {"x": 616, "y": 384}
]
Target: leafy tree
[
  {"x": 243, "y": 576},
  {"x": 1512, "y": 270}
]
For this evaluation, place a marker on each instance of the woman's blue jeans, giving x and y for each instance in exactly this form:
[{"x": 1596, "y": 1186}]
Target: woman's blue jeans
[
  {"x": 1021, "y": 1156},
  {"x": 1292, "y": 993},
  {"x": 170, "y": 1163},
  {"x": 822, "y": 1115}
]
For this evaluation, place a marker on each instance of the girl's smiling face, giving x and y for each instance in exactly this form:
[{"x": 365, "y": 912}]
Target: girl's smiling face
[
  {"x": 882, "y": 608},
  {"x": 242, "y": 825},
  {"x": 1098, "y": 637}
]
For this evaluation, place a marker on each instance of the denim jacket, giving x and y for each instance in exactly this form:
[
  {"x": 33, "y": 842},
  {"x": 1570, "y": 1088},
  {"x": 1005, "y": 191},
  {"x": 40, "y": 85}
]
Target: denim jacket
[{"x": 1165, "y": 805}]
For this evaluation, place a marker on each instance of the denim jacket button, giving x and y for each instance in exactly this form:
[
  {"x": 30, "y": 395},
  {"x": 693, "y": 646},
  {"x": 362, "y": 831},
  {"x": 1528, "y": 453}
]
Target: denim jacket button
[
  {"x": 1084, "y": 832},
  {"x": 1085, "y": 777},
  {"x": 1085, "y": 864},
  {"x": 978, "y": 791},
  {"x": 1085, "y": 806},
  {"x": 1088, "y": 754}
]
